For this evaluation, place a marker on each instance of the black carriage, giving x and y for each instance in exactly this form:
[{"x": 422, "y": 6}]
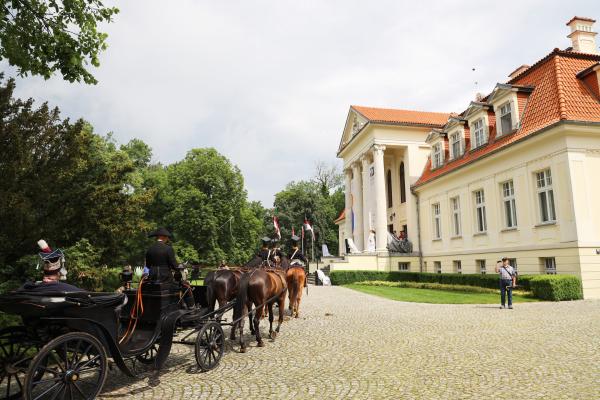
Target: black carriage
[{"x": 63, "y": 347}]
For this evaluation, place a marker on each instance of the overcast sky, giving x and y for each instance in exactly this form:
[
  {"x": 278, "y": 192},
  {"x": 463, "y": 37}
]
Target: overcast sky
[{"x": 269, "y": 83}]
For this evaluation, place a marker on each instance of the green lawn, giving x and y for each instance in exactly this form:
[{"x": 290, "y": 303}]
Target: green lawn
[{"x": 436, "y": 296}]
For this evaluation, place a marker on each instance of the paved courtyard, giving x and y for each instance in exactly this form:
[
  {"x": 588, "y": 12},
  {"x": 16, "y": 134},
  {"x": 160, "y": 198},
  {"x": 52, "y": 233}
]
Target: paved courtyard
[{"x": 352, "y": 345}]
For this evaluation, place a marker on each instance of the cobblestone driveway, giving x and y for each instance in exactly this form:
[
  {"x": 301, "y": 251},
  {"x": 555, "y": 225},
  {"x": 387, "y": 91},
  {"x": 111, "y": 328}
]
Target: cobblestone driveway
[{"x": 352, "y": 345}]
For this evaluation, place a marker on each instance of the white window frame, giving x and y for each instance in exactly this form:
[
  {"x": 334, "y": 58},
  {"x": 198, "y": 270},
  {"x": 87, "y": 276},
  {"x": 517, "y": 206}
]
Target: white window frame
[
  {"x": 509, "y": 204},
  {"x": 480, "y": 216},
  {"x": 482, "y": 267},
  {"x": 545, "y": 196},
  {"x": 479, "y": 133},
  {"x": 502, "y": 112},
  {"x": 437, "y": 266},
  {"x": 456, "y": 223},
  {"x": 437, "y": 155},
  {"x": 455, "y": 139},
  {"x": 513, "y": 263},
  {"x": 437, "y": 220},
  {"x": 549, "y": 264},
  {"x": 457, "y": 266}
]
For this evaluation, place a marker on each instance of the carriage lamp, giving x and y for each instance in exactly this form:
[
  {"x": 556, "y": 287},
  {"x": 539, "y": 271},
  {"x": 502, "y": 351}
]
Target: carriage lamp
[{"x": 127, "y": 276}]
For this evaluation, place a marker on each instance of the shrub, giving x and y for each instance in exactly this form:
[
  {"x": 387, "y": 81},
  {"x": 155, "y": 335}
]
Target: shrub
[
  {"x": 428, "y": 285},
  {"x": 556, "y": 287}
]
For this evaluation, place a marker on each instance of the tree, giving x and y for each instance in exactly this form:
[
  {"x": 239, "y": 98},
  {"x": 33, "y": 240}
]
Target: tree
[
  {"x": 203, "y": 200},
  {"x": 328, "y": 177},
  {"x": 41, "y": 37},
  {"x": 62, "y": 182}
]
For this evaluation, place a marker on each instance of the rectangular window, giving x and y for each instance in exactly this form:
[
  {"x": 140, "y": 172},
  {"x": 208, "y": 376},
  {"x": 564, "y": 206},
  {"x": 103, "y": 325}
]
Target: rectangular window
[
  {"x": 437, "y": 265},
  {"x": 510, "y": 207},
  {"x": 457, "y": 266},
  {"x": 479, "y": 133},
  {"x": 480, "y": 211},
  {"x": 545, "y": 196},
  {"x": 437, "y": 223},
  {"x": 455, "y": 145},
  {"x": 481, "y": 266},
  {"x": 455, "y": 204},
  {"x": 506, "y": 118},
  {"x": 549, "y": 265},
  {"x": 437, "y": 155},
  {"x": 403, "y": 266}
]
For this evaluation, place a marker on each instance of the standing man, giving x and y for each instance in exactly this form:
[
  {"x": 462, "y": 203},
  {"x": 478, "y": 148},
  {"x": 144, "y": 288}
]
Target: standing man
[
  {"x": 160, "y": 260},
  {"x": 508, "y": 280}
]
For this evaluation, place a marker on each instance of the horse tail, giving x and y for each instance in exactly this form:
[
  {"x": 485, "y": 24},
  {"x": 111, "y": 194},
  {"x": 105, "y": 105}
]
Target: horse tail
[{"x": 242, "y": 297}]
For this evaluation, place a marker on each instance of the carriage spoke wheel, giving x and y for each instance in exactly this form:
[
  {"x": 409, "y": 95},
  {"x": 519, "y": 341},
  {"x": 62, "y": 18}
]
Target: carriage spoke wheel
[
  {"x": 72, "y": 366},
  {"x": 210, "y": 344},
  {"x": 149, "y": 356},
  {"x": 16, "y": 352}
]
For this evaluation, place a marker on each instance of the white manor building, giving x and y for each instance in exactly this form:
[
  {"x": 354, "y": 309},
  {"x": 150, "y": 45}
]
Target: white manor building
[{"x": 512, "y": 175}]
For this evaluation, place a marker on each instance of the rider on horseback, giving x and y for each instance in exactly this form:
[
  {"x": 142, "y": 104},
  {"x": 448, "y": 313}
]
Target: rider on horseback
[
  {"x": 264, "y": 252},
  {"x": 275, "y": 255},
  {"x": 296, "y": 253}
]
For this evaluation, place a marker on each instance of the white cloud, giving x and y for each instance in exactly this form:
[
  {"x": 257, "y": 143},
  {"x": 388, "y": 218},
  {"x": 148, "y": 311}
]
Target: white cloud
[{"x": 269, "y": 83}]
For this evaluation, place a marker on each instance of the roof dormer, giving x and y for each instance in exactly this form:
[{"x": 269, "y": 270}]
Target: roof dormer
[
  {"x": 508, "y": 102},
  {"x": 455, "y": 132},
  {"x": 437, "y": 139},
  {"x": 591, "y": 78}
]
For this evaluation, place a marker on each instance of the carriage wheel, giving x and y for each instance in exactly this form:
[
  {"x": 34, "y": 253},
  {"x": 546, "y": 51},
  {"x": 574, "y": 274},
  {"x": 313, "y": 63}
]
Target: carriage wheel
[
  {"x": 210, "y": 344},
  {"x": 149, "y": 356},
  {"x": 72, "y": 366},
  {"x": 16, "y": 351}
]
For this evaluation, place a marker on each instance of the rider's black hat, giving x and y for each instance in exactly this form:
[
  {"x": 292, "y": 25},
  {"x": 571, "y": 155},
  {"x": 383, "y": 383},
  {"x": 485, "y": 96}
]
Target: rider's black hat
[
  {"x": 265, "y": 240},
  {"x": 160, "y": 232},
  {"x": 295, "y": 239},
  {"x": 274, "y": 241}
]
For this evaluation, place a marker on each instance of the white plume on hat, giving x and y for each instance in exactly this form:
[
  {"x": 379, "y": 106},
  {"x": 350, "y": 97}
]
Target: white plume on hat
[{"x": 44, "y": 246}]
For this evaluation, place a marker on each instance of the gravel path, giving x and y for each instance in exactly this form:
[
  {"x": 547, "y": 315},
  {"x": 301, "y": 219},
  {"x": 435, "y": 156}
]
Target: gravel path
[{"x": 352, "y": 345}]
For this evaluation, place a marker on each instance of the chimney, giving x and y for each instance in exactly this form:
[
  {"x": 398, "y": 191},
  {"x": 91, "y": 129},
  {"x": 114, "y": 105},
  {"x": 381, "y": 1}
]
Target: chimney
[
  {"x": 582, "y": 35},
  {"x": 518, "y": 71}
]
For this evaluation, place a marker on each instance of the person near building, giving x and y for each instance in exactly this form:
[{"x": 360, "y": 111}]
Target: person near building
[{"x": 507, "y": 281}]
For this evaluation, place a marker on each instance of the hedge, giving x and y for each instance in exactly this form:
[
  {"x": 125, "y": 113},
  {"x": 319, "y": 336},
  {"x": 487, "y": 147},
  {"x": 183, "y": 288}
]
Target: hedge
[
  {"x": 429, "y": 285},
  {"x": 486, "y": 281},
  {"x": 556, "y": 287}
]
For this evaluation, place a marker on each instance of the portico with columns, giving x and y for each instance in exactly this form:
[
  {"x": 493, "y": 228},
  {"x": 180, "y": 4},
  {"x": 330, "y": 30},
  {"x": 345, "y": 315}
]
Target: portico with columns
[{"x": 384, "y": 152}]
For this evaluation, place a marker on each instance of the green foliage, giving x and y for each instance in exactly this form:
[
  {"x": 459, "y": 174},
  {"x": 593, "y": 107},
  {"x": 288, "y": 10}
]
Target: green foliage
[
  {"x": 427, "y": 285},
  {"x": 62, "y": 182},
  {"x": 320, "y": 206},
  {"x": 557, "y": 287},
  {"x": 185, "y": 252},
  {"x": 345, "y": 277},
  {"x": 44, "y": 36}
]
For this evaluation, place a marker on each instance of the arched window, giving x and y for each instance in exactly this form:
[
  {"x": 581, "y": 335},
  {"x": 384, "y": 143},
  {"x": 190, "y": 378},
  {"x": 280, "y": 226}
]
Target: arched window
[
  {"x": 389, "y": 188},
  {"x": 402, "y": 184}
]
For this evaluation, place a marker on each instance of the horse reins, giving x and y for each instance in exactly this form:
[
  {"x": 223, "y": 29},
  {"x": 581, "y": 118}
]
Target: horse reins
[{"x": 136, "y": 312}]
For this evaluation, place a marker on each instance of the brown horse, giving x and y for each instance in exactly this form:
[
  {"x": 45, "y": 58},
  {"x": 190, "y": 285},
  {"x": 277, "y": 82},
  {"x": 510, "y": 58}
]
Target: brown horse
[
  {"x": 261, "y": 288},
  {"x": 295, "y": 277}
]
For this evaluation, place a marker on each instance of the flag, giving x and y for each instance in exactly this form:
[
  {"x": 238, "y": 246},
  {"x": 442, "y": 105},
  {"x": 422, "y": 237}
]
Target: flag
[
  {"x": 293, "y": 233},
  {"x": 276, "y": 225},
  {"x": 308, "y": 227}
]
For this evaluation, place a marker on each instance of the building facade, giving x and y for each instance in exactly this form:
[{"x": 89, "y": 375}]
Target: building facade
[{"x": 512, "y": 175}]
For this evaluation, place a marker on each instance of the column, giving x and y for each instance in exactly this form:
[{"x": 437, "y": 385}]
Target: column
[
  {"x": 366, "y": 187},
  {"x": 358, "y": 205},
  {"x": 348, "y": 212},
  {"x": 381, "y": 211}
]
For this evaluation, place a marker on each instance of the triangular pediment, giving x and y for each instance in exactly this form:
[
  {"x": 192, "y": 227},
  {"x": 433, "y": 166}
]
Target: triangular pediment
[{"x": 355, "y": 122}]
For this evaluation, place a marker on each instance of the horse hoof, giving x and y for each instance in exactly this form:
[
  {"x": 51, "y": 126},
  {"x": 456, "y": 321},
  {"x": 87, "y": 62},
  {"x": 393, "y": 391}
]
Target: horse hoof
[
  {"x": 243, "y": 350},
  {"x": 260, "y": 344},
  {"x": 273, "y": 335}
]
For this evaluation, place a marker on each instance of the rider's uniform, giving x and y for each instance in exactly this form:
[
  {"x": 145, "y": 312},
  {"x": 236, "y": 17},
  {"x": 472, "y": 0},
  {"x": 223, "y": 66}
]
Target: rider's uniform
[{"x": 296, "y": 254}]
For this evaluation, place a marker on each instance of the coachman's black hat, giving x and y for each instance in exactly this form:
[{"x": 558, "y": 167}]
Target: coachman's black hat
[{"x": 161, "y": 232}]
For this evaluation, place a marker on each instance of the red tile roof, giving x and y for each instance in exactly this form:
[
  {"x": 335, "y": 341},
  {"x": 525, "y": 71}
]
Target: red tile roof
[
  {"x": 580, "y": 18},
  {"x": 558, "y": 95},
  {"x": 408, "y": 117}
]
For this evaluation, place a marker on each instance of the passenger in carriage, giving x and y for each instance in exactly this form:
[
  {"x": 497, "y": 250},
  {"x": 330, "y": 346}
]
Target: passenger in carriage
[
  {"x": 161, "y": 261},
  {"x": 295, "y": 252},
  {"x": 54, "y": 272}
]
